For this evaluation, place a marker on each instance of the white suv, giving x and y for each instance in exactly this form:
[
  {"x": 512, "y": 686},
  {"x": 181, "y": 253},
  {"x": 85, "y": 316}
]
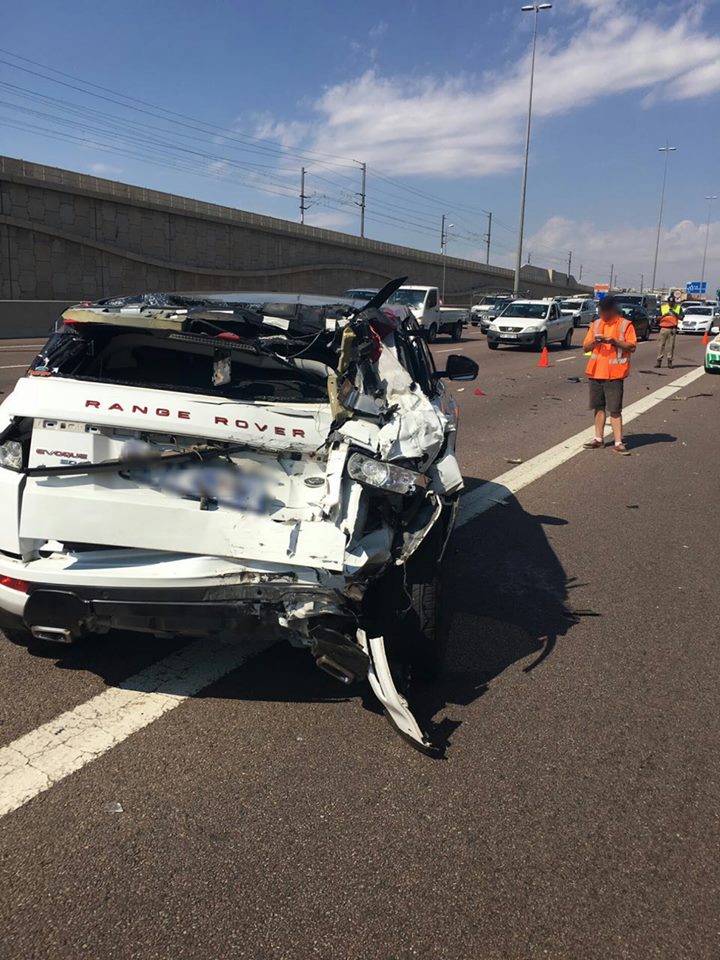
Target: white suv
[
  {"x": 530, "y": 323},
  {"x": 172, "y": 463}
]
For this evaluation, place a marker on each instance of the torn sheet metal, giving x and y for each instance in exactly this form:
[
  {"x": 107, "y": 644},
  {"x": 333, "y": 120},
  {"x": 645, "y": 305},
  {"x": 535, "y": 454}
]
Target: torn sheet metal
[
  {"x": 395, "y": 705},
  {"x": 417, "y": 429}
]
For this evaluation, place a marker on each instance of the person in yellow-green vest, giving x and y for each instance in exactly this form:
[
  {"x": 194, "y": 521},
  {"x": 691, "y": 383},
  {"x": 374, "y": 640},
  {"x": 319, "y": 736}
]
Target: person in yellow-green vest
[{"x": 670, "y": 316}]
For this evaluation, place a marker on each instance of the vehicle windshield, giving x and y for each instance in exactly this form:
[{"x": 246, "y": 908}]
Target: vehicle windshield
[
  {"x": 571, "y": 304},
  {"x": 408, "y": 298},
  {"x": 530, "y": 311},
  {"x": 703, "y": 311},
  {"x": 628, "y": 298},
  {"x": 627, "y": 309}
]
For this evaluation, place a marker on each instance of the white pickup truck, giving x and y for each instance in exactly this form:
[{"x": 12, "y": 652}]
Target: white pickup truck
[{"x": 424, "y": 303}]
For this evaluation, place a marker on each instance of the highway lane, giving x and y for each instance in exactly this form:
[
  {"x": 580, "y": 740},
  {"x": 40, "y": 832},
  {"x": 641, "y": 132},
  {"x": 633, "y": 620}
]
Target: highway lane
[{"x": 275, "y": 815}]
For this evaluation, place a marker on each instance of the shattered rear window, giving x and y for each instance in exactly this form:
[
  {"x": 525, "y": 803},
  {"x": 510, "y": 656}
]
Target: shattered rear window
[{"x": 130, "y": 357}]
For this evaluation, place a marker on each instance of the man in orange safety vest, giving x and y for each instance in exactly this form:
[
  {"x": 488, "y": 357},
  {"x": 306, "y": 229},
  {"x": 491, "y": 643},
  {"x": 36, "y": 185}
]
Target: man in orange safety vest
[{"x": 610, "y": 341}]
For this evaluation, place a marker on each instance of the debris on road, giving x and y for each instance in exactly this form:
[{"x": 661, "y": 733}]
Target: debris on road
[
  {"x": 112, "y": 806},
  {"x": 512, "y": 459}
]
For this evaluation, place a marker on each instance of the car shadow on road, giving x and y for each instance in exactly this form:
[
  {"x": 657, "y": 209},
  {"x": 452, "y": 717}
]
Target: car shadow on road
[{"x": 507, "y": 599}]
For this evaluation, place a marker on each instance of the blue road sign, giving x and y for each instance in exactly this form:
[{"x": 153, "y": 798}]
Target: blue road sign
[{"x": 695, "y": 287}]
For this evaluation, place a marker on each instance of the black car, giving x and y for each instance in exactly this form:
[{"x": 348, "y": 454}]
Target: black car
[{"x": 639, "y": 317}]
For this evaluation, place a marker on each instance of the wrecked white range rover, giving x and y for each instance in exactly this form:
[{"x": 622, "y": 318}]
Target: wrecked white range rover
[{"x": 173, "y": 463}]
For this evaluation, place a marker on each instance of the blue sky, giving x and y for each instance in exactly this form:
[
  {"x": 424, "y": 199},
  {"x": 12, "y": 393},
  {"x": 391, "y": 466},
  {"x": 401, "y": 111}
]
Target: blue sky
[{"x": 432, "y": 96}]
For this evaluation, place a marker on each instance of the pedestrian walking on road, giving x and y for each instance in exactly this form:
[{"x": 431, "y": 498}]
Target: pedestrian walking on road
[
  {"x": 610, "y": 341},
  {"x": 670, "y": 315}
]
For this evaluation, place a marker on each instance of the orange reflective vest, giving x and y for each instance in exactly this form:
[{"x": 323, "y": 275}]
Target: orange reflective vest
[
  {"x": 669, "y": 316},
  {"x": 608, "y": 362}
]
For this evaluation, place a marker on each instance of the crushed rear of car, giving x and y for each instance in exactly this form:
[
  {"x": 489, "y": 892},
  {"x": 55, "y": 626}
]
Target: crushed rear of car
[{"x": 172, "y": 464}]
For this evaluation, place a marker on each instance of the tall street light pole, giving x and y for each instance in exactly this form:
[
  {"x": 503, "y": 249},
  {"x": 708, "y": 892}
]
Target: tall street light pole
[
  {"x": 667, "y": 150},
  {"x": 707, "y": 236},
  {"x": 535, "y": 8},
  {"x": 444, "y": 227}
]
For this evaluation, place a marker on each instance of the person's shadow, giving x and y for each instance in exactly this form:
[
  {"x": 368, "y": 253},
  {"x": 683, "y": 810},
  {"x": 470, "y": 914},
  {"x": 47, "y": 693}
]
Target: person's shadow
[{"x": 505, "y": 599}]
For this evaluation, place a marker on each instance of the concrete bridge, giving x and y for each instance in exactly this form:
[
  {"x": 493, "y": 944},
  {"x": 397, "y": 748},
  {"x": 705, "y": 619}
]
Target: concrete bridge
[{"x": 67, "y": 236}]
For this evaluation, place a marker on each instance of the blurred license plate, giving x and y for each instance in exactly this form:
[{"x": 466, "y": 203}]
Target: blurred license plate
[{"x": 508, "y": 336}]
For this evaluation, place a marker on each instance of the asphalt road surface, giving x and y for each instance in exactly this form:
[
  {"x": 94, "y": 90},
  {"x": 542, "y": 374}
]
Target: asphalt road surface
[{"x": 575, "y": 815}]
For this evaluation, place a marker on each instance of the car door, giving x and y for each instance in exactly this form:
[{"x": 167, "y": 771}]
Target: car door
[
  {"x": 588, "y": 313},
  {"x": 559, "y": 323}
]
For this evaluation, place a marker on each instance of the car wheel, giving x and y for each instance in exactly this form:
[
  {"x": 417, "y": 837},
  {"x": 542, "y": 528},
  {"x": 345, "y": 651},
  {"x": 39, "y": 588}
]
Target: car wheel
[
  {"x": 567, "y": 342},
  {"x": 491, "y": 345},
  {"x": 456, "y": 332},
  {"x": 541, "y": 342},
  {"x": 647, "y": 334},
  {"x": 429, "y": 641},
  {"x": 432, "y": 333}
]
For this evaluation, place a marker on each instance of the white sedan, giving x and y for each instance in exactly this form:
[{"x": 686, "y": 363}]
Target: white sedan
[{"x": 697, "y": 318}]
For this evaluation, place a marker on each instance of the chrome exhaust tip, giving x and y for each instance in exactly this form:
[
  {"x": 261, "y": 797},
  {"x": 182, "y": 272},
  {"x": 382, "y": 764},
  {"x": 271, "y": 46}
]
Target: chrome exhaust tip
[{"x": 52, "y": 634}]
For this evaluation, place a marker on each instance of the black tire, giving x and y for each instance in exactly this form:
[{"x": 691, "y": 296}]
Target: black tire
[
  {"x": 429, "y": 640},
  {"x": 457, "y": 332},
  {"x": 541, "y": 342},
  {"x": 493, "y": 346},
  {"x": 432, "y": 333},
  {"x": 647, "y": 334},
  {"x": 567, "y": 342}
]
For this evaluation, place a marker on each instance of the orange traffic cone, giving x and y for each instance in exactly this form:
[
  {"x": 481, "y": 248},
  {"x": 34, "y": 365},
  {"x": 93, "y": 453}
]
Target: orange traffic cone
[
  {"x": 543, "y": 361},
  {"x": 706, "y": 339}
]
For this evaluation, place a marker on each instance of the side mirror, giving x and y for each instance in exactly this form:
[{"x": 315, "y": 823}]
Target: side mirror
[{"x": 459, "y": 367}]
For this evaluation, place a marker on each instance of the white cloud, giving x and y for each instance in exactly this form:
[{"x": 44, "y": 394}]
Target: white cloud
[
  {"x": 631, "y": 250},
  {"x": 471, "y": 126},
  {"x": 104, "y": 169}
]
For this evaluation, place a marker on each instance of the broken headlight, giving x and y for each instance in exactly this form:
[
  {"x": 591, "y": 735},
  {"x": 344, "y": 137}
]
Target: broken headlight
[
  {"x": 383, "y": 476},
  {"x": 11, "y": 455}
]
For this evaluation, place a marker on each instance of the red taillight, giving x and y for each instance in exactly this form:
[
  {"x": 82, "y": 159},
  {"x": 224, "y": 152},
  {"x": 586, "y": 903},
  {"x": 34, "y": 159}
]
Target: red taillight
[
  {"x": 13, "y": 584},
  {"x": 227, "y": 336}
]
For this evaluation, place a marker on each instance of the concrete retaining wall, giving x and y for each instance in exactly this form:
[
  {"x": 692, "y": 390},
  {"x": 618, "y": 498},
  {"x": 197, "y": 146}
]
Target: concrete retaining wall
[{"x": 68, "y": 236}]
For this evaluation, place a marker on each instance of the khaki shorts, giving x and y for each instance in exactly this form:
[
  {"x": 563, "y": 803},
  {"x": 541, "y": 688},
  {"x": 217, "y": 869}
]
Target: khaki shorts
[{"x": 607, "y": 395}]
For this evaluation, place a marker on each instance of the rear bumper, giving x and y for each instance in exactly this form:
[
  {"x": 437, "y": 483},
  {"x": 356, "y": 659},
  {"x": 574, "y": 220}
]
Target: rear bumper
[
  {"x": 97, "y": 599},
  {"x": 177, "y": 613}
]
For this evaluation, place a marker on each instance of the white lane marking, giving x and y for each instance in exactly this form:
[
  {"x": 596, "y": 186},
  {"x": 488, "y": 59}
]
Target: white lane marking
[
  {"x": 450, "y": 350},
  {"x": 565, "y": 359},
  {"x": 482, "y": 498},
  {"x": 23, "y": 346},
  {"x": 35, "y": 762},
  {"x": 15, "y": 366}
]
